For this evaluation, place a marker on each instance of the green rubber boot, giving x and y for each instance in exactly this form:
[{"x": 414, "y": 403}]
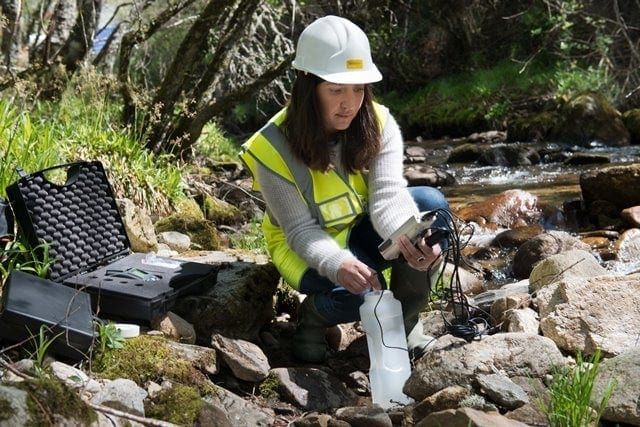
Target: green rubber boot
[
  {"x": 309, "y": 342},
  {"x": 412, "y": 288}
]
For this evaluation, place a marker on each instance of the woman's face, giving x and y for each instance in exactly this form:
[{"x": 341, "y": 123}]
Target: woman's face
[{"x": 339, "y": 104}]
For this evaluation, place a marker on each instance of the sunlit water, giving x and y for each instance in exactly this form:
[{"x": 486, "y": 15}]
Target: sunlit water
[{"x": 552, "y": 183}]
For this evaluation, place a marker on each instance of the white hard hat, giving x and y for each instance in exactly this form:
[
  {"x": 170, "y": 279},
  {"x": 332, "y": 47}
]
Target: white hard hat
[{"x": 336, "y": 50}]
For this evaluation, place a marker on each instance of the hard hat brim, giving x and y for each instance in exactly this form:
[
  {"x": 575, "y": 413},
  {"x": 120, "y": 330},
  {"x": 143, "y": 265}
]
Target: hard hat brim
[{"x": 352, "y": 77}]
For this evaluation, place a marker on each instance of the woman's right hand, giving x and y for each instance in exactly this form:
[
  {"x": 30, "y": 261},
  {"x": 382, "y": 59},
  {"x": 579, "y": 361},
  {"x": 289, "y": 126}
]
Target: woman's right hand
[{"x": 357, "y": 277}]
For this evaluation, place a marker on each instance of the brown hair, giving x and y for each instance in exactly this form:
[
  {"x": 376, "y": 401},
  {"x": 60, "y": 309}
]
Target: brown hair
[{"x": 305, "y": 133}]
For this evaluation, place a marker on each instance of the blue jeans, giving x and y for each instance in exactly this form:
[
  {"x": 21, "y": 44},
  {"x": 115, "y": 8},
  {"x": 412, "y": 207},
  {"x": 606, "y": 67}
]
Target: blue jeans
[{"x": 334, "y": 303}]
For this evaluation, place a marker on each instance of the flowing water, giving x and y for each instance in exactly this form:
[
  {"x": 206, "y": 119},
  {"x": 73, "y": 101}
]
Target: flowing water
[{"x": 552, "y": 183}]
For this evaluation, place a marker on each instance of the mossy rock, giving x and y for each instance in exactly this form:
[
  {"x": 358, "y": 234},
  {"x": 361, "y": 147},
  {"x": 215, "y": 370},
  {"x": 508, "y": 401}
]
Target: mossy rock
[
  {"x": 179, "y": 404},
  {"x": 51, "y": 399},
  {"x": 202, "y": 232},
  {"x": 189, "y": 208},
  {"x": 190, "y": 220},
  {"x": 590, "y": 117},
  {"x": 631, "y": 119},
  {"x": 147, "y": 358},
  {"x": 220, "y": 212},
  {"x": 534, "y": 128},
  {"x": 465, "y": 153}
]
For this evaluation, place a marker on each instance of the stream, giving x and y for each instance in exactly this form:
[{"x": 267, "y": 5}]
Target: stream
[{"x": 553, "y": 183}]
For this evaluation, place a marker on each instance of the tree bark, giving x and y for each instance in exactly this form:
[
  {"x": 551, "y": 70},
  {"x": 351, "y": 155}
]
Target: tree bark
[{"x": 10, "y": 42}]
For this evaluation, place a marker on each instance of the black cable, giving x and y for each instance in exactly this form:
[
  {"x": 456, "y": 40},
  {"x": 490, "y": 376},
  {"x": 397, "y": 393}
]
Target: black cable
[
  {"x": 375, "y": 314},
  {"x": 464, "y": 325}
]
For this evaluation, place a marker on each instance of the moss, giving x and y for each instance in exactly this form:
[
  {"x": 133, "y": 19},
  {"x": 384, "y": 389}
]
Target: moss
[
  {"x": 202, "y": 232},
  {"x": 631, "y": 120},
  {"x": 147, "y": 358},
  {"x": 50, "y": 399},
  {"x": 6, "y": 410},
  {"x": 179, "y": 404},
  {"x": 189, "y": 208},
  {"x": 220, "y": 212},
  {"x": 269, "y": 387}
]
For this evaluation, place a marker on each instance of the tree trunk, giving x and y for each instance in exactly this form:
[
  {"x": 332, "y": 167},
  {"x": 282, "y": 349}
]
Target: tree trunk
[
  {"x": 198, "y": 87},
  {"x": 10, "y": 42}
]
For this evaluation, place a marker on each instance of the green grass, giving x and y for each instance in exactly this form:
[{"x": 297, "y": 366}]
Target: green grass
[
  {"x": 483, "y": 99},
  {"x": 85, "y": 125},
  {"x": 570, "y": 395}
]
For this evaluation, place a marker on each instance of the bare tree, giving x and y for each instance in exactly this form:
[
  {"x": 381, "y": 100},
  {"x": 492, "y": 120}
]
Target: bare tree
[
  {"x": 11, "y": 10},
  {"x": 55, "y": 57},
  {"x": 232, "y": 49}
]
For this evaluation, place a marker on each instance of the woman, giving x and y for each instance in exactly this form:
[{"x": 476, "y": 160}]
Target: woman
[{"x": 330, "y": 168}]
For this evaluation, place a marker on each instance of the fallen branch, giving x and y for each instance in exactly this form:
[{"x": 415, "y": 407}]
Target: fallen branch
[{"x": 132, "y": 417}]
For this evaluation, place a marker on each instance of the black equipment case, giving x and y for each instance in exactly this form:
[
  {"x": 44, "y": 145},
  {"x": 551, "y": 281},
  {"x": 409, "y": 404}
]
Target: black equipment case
[
  {"x": 80, "y": 223},
  {"x": 29, "y": 302}
]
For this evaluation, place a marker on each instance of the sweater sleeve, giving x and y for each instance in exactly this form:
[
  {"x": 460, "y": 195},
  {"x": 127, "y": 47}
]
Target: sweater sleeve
[
  {"x": 390, "y": 202},
  {"x": 303, "y": 232}
]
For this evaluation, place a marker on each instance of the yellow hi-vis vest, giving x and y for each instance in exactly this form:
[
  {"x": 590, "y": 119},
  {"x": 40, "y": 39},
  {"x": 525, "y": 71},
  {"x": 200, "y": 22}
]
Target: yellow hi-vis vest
[{"x": 336, "y": 203}]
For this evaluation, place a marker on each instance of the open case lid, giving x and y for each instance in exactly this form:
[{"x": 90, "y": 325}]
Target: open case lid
[{"x": 77, "y": 216}]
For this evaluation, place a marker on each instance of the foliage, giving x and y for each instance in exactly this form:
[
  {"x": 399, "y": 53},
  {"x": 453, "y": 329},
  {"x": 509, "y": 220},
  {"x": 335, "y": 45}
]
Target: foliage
[
  {"x": 41, "y": 344},
  {"x": 85, "y": 125},
  {"x": 571, "y": 390},
  {"x": 250, "y": 237},
  {"x": 214, "y": 144},
  {"x": 270, "y": 386},
  {"x": 24, "y": 143},
  {"x": 109, "y": 338},
  {"x": 16, "y": 255},
  {"x": 592, "y": 79},
  {"x": 465, "y": 102}
]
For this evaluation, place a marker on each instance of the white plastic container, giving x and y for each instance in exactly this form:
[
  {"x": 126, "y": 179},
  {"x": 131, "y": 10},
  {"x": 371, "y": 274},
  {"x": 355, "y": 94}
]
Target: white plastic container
[{"x": 381, "y": 315}]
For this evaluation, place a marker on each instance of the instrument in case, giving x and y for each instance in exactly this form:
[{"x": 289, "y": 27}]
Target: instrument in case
[{"x": 81, "y": 228}]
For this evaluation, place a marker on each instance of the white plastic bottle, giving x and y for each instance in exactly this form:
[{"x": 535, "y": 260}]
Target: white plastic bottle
[{"x": 381, "y": 316}]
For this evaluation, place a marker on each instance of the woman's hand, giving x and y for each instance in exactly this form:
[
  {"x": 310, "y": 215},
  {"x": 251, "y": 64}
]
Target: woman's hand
[
  {"x": 357, "y": 276},
  {"x": 421, "y": 255}
]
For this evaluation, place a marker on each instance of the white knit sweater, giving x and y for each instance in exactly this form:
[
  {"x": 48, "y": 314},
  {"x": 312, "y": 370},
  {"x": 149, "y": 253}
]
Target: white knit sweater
[{"x": 390, "y": 204}]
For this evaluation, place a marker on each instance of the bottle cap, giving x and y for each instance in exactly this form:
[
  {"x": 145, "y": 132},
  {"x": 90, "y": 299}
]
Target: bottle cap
[{"x": 128, "y": 330}]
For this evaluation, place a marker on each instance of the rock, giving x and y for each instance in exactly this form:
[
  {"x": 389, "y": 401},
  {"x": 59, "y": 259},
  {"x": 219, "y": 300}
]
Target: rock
[
  {"x": 455, "y": 361},
  {"x": 623, "y": 372},
  {"x": 501, "y": 390},
  {"x": 589, "y": 313},
  {"x": 540, "y": 247},
  {"x": 464, "y": 417},
  {"x": 619, "y": 185},
  {"x": 246, "y": 360},
  {"x": 573, "y": 263},
  {"x": 175, "y": 327},
  {"x": 122, "y": 394},
  {"x": 178, "y": 242},
  {"x": 138, "y": 226},
  {"x": 508, "y": 209},
  {"x": 313, "y": 389}
]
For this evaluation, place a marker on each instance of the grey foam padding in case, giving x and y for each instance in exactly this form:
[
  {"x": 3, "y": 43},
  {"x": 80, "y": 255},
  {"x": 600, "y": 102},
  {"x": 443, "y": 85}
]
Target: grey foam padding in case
[{"x": 79, "y": 220}]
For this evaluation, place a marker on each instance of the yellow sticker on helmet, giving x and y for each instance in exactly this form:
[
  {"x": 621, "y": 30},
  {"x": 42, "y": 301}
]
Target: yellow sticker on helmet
[{"x": 355, "y": 64}]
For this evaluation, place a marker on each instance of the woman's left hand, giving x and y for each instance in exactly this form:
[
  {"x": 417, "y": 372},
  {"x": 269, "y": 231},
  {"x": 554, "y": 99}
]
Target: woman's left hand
[{"x": 419, "y": 256}]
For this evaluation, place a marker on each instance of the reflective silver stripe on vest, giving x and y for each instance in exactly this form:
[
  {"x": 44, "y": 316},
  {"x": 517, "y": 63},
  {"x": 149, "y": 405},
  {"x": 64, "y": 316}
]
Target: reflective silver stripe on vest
[{"x": 299, "y": 170}]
